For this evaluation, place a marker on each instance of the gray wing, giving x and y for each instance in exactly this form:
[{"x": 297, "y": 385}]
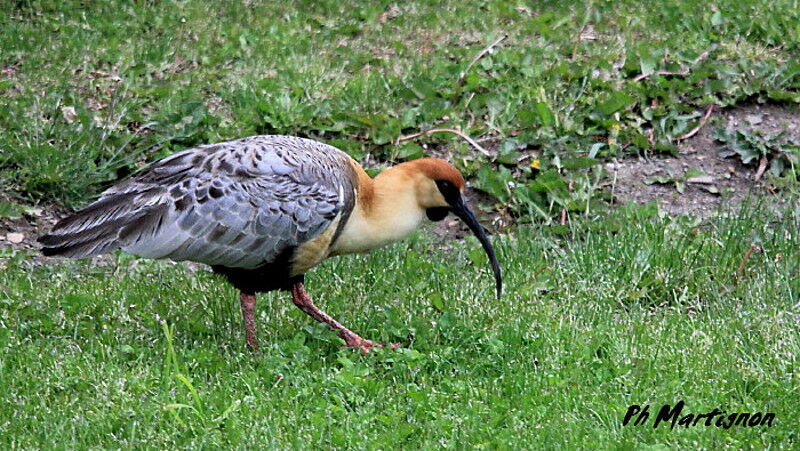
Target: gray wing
[{"x": 236, "y": 204}]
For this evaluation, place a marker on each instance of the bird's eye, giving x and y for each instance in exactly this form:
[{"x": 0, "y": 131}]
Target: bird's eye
[{"x": 448, "y": 190}]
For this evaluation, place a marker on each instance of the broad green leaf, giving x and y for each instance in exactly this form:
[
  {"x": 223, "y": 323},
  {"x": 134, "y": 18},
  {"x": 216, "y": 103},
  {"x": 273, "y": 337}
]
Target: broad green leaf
[
  {"x": 11, "y": 210},
  {"x": 616, "y": 101},
  {"x": 437, "y": 301},
  {"x": 545, "y": 114},
  {"x": 661, "y": 179},
  {"x": 410, "y": 151},
  {"x": 578, "y": 163},
  {"x": 691, "y": 173},
  {"x": 548, "y": 181}
]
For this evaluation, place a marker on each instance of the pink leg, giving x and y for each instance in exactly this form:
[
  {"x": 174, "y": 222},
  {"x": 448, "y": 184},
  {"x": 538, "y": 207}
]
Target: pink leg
[
  {"x": 304, "y": 302},
  {"x": 249, "y": 315}
]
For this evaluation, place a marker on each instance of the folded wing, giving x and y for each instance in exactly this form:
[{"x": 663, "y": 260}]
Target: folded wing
[{"x": 236, "y": 204}]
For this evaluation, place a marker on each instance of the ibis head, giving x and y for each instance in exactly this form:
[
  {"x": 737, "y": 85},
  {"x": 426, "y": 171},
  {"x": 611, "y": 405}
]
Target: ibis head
[
  {"x": 446, "y": 195},
  {"x": 393, "y": 204}
]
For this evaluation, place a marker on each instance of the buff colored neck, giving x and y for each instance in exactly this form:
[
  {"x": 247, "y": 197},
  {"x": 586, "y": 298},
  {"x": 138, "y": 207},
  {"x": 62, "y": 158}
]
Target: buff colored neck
[{"x": 387, "y": 209}]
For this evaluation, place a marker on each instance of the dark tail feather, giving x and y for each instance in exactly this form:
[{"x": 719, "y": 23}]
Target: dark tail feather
[
  {"x": 93, "y": 241},
  {"x": 98, "y": 228}
]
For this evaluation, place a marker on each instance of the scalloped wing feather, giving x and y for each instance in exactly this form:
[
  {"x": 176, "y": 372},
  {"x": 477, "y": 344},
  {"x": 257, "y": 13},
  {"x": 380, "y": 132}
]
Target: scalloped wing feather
[{"x": 236, "y": 204}]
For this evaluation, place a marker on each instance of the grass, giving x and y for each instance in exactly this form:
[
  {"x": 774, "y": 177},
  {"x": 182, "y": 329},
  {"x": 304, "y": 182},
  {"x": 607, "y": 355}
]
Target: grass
[
  {"x": 614, "y": 310},
  {"x": 91, "y": 91},
  {"x": 138, "y": 353}
]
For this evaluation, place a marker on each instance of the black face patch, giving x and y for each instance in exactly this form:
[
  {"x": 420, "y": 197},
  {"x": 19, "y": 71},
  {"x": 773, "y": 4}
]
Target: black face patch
[
  {"x": 449, "y": 191},
  {"x": 437, "y": 213}
]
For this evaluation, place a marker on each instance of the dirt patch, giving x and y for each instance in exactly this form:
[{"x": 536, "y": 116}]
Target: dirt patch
[
  {"x": 726, "y": 182},
  {"x": 21, "y": 233}
]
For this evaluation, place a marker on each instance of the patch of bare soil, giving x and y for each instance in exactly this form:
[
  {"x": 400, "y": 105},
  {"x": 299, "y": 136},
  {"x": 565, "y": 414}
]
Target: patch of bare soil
[
  {"x": 21, "y": 233},
  {"x": 726, "y": 181}
]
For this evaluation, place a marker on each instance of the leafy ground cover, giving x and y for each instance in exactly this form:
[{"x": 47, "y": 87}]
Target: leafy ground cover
[
  {"x": 140, "y": 353},
  {"x": 613, "y": 308},
  {"x": 92, "y": 91}
]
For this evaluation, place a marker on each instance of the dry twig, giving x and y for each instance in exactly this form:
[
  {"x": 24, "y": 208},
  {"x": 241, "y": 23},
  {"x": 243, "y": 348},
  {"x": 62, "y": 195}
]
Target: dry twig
[
  {"x": 702, "y": 57},
  {"x": 641, "y": 77},
  {"x": 450, "y": 130},
  {"x": 694, "y": 131},
  {"x": 541, "y": 270},
  {"x": 743, "y": 263},
  {"x": 480, "y": 55},
  {"x": 685, "y": 72}
]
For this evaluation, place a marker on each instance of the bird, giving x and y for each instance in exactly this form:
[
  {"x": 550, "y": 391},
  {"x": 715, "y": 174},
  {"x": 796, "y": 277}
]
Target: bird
[{"x": 262, "y": 211}]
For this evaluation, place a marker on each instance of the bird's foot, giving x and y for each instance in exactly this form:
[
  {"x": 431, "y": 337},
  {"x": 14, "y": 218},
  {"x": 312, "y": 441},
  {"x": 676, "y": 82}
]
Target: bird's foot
[
  {"x": 303, "y": 301},
  {"x": 362, "y": 344}
]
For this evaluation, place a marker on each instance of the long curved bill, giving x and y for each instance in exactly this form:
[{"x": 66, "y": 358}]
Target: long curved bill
[{"x": 461, "y": 210}]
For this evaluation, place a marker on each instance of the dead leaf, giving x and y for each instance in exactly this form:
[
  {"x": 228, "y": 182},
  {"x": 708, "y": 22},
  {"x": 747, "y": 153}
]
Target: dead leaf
[
  {"x": 762, "y": 166},
  {"x": 754, "y": 119},
  {"x": 11, "y": 70},
  {"x": 15, "y": 237},
  {"x": 69, "y": 114},
  {"x": 705, "y": 179},
  {"x": 588, "y": 34}
]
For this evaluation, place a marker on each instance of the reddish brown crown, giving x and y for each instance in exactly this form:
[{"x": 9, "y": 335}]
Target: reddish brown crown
[{"x": 437, "y": 169}]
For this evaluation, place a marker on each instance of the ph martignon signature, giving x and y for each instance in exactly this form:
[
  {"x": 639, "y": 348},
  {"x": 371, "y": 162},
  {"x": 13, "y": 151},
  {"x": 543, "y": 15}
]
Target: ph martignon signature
[{"x": 675, "y": 416}]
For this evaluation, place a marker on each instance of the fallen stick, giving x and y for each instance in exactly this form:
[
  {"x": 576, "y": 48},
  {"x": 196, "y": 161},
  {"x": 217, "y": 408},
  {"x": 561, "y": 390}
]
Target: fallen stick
[
  {"x": 641, "y": 77},
  {"x": 539, "y": 271},
  {"x": 450, "y": 130},
  {"x": 480, "y": 55},
  {"x": 743, "y": 263},
  {"x": 683, "y": 73},
  {"x": 694, "y": 131}
]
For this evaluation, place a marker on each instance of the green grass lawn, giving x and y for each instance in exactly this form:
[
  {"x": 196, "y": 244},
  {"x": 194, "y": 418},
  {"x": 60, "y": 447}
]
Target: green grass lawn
[
  {"x": 619, "y": 308},
  {"x": 140, "y": 353},
  {"x": 90, "y": 91}
]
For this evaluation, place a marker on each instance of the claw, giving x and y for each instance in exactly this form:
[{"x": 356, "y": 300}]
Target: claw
[{"x": 364, "y": 345}]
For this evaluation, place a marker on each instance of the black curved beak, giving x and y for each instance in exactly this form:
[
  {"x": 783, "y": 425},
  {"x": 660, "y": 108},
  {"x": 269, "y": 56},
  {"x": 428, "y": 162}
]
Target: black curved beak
[{"x": 461, "y": 210}]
